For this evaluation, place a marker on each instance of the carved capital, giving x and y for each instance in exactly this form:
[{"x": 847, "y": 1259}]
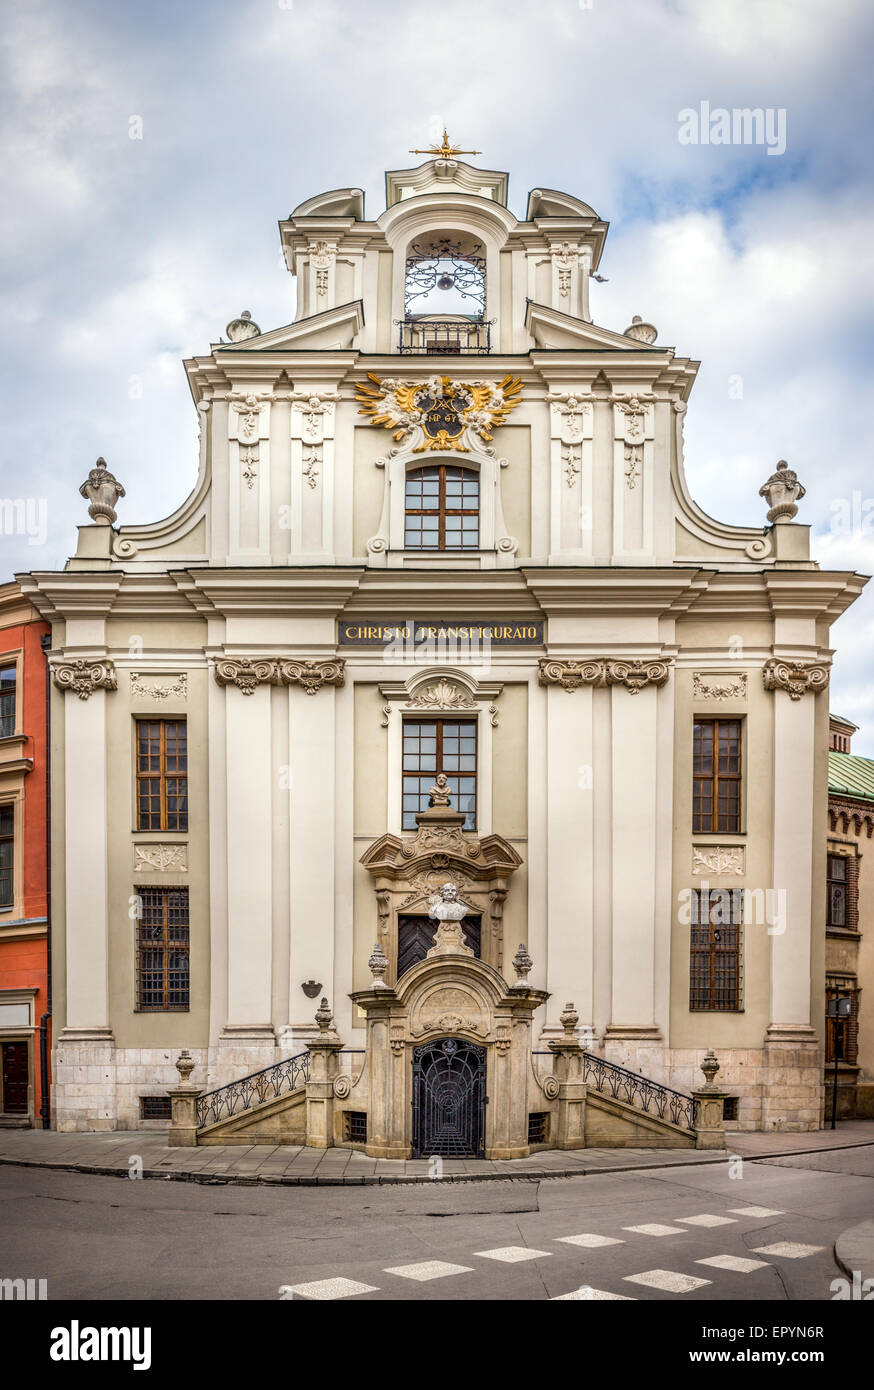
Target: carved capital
[
  {"x": 602, "y": 671},
  {"x": 246, "y": 673},
  {"x": 84, "y": 677},
  {"x": 312, "y": 675},
  {"x": 795, "y": 677}
]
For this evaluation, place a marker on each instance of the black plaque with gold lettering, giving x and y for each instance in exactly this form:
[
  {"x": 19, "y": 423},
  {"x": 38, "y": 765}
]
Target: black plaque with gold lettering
[{"x": 494, "y": 632}]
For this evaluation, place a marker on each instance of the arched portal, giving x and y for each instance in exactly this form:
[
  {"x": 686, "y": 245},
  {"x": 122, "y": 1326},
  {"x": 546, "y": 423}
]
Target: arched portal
[{"x": 449, "y": 1099}]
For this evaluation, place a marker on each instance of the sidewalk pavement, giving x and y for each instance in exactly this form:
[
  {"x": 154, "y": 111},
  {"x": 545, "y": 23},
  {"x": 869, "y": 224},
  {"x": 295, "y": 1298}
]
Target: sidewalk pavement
[{"x": 120, "y": 1152}]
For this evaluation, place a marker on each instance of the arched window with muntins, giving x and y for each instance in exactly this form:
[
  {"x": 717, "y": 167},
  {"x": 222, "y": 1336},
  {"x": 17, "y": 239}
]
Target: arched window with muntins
[{"x": 441, "y": 508}]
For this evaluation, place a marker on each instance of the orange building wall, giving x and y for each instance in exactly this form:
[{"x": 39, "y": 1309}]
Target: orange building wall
[{"x": 23, "y": 962}]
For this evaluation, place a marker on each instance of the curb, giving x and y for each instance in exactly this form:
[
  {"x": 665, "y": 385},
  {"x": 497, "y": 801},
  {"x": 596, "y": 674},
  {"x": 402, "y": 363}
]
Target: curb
[
  {"x": 854, "y": 1250},
  {"x": 406, "y": 1179}
]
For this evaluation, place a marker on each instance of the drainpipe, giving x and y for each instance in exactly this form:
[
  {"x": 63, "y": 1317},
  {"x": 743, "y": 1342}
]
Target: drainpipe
[{"x": 44, "y": 1107}]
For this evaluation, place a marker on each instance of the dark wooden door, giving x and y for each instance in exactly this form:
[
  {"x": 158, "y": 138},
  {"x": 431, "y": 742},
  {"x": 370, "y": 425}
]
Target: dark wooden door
[
  {"x": 416, "y": 937},
  {"x": 15, "y": 1078}
]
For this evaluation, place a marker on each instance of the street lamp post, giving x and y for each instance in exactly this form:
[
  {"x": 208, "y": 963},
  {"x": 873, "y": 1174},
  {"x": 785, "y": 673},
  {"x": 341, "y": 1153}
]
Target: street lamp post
[{"x": 838, "y": 1012}]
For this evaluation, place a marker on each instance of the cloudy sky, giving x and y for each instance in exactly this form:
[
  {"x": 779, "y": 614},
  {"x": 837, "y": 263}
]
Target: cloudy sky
[{"x": 121, "y": 256}]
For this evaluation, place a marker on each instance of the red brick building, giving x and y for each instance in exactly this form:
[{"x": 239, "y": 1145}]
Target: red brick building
[{"x": 24, "y": 987}]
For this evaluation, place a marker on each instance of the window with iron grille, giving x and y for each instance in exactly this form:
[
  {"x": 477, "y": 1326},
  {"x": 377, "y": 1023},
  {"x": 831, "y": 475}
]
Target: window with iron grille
[
  {"x": 716, "y": 776},
  {"x": 439, "y": 745},
  {"x": 356, "y": 1126},
  {"x": 7, "y": 856},
  {"x": 837, "y": 891},
  {"x": 715, "y": 963},
  {"x": 442, "y": 508},
  {"x": 162, "y": 949},
  {"x": 729, "y": 1108},
  {"x": 843, "y": 1030},
  {"x": 8, "y": 680},
  {"x": 155, "y": 1108},
  {"x": 538, "y": 1128},
  {"x": 162, "y": 774}
]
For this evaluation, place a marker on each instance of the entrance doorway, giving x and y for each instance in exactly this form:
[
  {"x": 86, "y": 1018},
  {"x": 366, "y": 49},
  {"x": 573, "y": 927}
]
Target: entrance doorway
[
  {"x": 416, "y": 937},
  {"x": 14, "y": 1098},
  {"x": 449, "y": 1099}
]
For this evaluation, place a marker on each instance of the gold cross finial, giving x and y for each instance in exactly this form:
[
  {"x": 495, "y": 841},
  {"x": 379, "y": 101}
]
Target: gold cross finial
[{"x": 445, "y": 151}]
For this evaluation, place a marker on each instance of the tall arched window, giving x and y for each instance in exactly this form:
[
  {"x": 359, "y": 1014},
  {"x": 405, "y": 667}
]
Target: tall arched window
[{"x": 442, "y": 508}]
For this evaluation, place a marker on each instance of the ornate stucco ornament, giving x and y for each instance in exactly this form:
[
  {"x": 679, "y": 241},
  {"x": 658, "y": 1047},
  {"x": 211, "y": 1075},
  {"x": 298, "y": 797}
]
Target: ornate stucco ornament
[
  {"x": 84, "y": 677},
  {"x": 101, "y": 490},
  {"x": 178, "y": 688},
  {"x": 601, "y": 671},
  {"x": 438, "y": 413},
  {"x": 442, "y": 694},
  {"x": 705, "y": 687},
  {"x": 246, "y": 673},
  {"x": 795, "y": 677},
  {"x": 782, "y": 492},
  {"x": 248, "y": 408}
]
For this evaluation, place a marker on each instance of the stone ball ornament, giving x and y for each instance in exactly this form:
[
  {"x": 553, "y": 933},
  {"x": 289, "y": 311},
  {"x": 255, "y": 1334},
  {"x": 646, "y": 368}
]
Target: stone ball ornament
[{"x": 101, "y": 490}]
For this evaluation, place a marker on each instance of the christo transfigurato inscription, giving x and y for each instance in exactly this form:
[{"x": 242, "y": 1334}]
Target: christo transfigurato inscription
[{"x": 370, "y": 632}]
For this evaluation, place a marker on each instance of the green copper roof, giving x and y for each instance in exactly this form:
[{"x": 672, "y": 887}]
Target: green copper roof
[{"x": 851, "y": 775}]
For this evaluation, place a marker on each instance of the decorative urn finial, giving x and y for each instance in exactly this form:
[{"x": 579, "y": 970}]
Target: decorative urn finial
[
  {"x": 710, "y": 1066},
  {"x": 238, "y": 330},
  {"x": 101, "y": 490},
  {"x": 523, "y": 965},
  {"x": 378, "y": 965},
  {"x": 569, "y": 1018},
  {"x": 642, "y": 332},
  {"x": 324, "y": 1016},
  {"x": 185, "y": 1066},
  {"x": 781, "y": 492}
]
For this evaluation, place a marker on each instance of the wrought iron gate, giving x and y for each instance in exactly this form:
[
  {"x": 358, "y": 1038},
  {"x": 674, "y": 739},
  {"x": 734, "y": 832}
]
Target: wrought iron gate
[{"x": 449, "y": 1098}]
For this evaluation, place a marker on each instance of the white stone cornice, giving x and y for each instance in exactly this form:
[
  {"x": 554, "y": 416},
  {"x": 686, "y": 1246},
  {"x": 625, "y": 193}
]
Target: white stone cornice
[{"x": 299, "y": 593}]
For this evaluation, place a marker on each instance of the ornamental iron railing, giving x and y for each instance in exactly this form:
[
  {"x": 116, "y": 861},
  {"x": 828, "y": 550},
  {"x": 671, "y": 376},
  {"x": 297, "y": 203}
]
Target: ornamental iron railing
[
  {"x": 444, "y": 337},
  {"x": 650, "y": 1097},
  {"x": 278, "y": 1080}
]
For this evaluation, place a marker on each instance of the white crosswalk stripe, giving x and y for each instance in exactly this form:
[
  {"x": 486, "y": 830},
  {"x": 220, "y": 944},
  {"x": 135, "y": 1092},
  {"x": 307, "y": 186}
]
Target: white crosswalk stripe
[
  {"x": 668, "y": 1280},
  {"x": 428, "y": 1269}
]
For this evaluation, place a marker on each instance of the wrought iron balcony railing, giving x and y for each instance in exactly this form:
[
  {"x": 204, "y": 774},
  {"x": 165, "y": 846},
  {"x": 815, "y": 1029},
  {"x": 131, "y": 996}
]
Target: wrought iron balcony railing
[
  {"x": 252, "y": 1090},
  {"x": 444, "y": 337}
]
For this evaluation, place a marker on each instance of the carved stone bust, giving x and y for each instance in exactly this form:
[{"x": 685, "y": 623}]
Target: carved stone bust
[{"x": 439, "y": 794}]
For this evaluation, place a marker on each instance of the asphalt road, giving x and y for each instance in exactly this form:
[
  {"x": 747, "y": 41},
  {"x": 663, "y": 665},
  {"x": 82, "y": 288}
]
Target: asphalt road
[{"x": 111, "y": 1238}]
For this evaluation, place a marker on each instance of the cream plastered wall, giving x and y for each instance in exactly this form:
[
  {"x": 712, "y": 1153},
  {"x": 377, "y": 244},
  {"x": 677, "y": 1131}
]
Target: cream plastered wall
[
  {"x": 59, "y": 860},
  {"x": 370, "y": 820},
  {"x": 514, "y": 444},
  {"x": 818, "y": 876},
  {"x": 716, "y": 1029},
  {"x": 510, "y": 807},
  {"x": 370, "y": 444},
  {"x": 865, "y": 967},
  {"x": 166, "y": 1029}
]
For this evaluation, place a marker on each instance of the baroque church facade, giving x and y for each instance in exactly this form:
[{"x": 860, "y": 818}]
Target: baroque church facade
[{"x": 439, "y": 623}]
